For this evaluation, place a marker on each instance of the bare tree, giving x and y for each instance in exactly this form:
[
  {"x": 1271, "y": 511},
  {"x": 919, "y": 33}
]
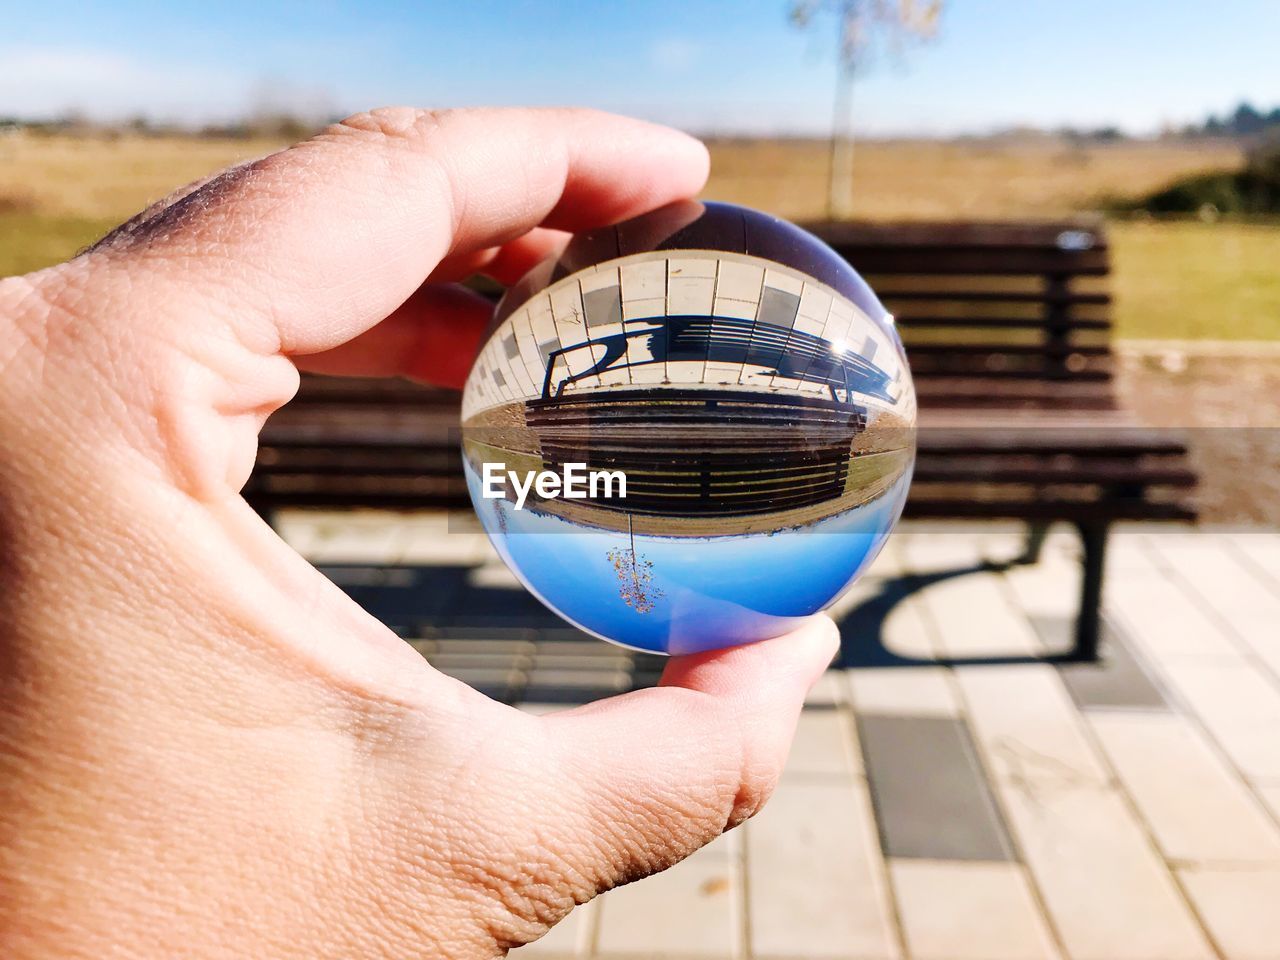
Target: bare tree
[
  {"x": 635, "y": 575},
  {"x": 860, "y": 25}
]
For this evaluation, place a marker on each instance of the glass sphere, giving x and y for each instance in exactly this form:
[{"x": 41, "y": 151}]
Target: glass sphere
[{"x": 690, "y": 430}]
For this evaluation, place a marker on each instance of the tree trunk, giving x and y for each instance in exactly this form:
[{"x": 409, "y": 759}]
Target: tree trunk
[{"x": 840, "y": 181}]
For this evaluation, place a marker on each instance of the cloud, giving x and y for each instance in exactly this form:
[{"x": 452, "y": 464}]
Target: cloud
[
  {"x": 104, "y": 85},
  {"x": 674, "y": 54}
]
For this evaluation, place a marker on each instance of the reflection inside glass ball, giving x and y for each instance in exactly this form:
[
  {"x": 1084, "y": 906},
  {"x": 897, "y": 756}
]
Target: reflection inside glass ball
[{"x": 690, "y": 430}]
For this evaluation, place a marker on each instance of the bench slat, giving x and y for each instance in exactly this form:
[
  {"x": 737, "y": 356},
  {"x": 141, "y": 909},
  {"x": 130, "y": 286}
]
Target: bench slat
[
  {"x": 975, "y": 262},
  {"x": 966, "y": 508},
  {"x": 891, "y": 295},
  {"x": 926, "y": 321},
  {"x": 987, "y": 235},
  {"x": 954, "y": 287},
  {"x": 1056, "y": 350}
]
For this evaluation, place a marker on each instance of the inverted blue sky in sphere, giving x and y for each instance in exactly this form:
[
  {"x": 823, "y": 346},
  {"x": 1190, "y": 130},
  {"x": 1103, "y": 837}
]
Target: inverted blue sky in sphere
[
  {"x": 714, "y": 590},
  {"x": 723, "y": 66}
]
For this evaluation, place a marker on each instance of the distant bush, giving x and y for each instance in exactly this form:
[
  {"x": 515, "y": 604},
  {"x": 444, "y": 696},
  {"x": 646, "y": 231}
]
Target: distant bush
[
  {"x": 1245, "y": 121},
  {"x": 1254, "y": 189}
]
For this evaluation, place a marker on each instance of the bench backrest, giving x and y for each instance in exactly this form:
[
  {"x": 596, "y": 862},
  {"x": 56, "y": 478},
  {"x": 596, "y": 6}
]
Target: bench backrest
[
  {"x": 993, "y": 314},
  {"x": 996, "y": 316}
]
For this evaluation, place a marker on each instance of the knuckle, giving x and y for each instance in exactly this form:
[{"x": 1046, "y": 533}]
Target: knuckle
[
  {"x": 21, "y": 296},
  {"x": 525, "y": 896},
  {"x": 390, "y": 123},
  {"x": 24, "y": 306},
  {"x": 752, "y": 769},
  {"x": 755, "y": 786}
]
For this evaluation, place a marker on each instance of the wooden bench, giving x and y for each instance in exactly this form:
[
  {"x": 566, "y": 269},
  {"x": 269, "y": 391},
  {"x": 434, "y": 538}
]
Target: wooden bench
[{"x": 1007, "y": 329}]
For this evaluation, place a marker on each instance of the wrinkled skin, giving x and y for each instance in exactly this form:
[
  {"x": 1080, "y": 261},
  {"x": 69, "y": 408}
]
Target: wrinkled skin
[{"x": 206, "y": 749}]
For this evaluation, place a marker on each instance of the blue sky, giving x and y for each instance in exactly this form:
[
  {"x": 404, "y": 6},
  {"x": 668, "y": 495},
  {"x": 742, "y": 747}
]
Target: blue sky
[
  {"x": 706, "y": 589},
  {"x": 714, "y": 66}
]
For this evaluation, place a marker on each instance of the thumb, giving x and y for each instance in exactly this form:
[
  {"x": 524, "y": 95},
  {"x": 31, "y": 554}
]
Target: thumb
[{"x": 656, "y": 774}]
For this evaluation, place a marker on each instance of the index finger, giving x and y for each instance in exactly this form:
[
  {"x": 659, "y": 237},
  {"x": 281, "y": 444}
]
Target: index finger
[{"x": 317, "y": 243}]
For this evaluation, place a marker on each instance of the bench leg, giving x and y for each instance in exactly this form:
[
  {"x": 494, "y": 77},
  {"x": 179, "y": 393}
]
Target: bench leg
[
  {"x": 1037, "y": 532},
  {"x": 1093, "y": 538}
]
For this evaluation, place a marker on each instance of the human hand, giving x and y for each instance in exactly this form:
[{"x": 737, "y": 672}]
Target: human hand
[{"x": 206, "y": 749}]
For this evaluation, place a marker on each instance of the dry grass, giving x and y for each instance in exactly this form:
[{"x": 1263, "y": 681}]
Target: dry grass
[
  {"x": 100, "y": 179},
  {"x": 955, "y": 180},
  {"x": 1196, "y": 281},
  {"x": 96, "y": 178},
  {"x": 1172, "y": 280}
]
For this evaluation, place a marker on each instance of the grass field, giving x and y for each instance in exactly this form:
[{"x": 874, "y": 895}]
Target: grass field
[
  {"x": 1197, "y": 280},
  {"x": 1172, "y": 280}
]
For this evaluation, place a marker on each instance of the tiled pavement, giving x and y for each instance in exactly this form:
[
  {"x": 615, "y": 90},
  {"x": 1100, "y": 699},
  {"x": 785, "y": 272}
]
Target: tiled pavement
[{"x": 1004, "y": 808}]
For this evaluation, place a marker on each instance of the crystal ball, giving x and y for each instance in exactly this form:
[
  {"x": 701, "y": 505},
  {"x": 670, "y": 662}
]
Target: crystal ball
[{"x": 689, "y": 430}]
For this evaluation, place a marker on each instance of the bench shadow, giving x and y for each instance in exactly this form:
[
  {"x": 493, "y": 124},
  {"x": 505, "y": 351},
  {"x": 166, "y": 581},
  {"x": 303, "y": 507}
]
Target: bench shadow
[
  {"x": 862, "y": 629},
  {"x": 504, "y": 642}
]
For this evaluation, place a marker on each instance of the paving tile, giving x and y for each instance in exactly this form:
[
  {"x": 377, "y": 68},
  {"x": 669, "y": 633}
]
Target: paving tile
[
  {"x": 940, "y": 548},
  {"x": 480, "y": 661},
  {"x": 778, "y": 307},
  {"x": 1127, "y": 554},
  {"x": 853, "y": 601},
  {"x": 401, "y": 597},
  {"x": 1118, "y": 680},
  {"x": 1001, "y": 542},
  {"x": 823, "y": 747},
  {"x": 583, "y": 645},
  {"x": 436, "y": 545},
  {"x": 815, "y": 881},
  {"x": 970, "y": 611},
  {"x": 830, "y": 690},
  {"x": 504, "y": 643},
  {"x": 860, "y": 615},
  {"x": 591, "y": 679},
  {"x": 904, "y": 691},
  {"x": 621, "y": 663},
  {"x": 363, "y": 575},
  {"x": 1270, "y": 794},
  {"x": 739, "y": 281},
  {"x": 495, "y": 683},
  {"x": 603, "y": 306},
  {"x": 1196, "y": 806},
  {"x": 1106, "y": 890},
  {"x": 1048, "y": 588},
  {"x": 955, "y": 818},
  {"x": 1232, "y": 588},
  {"x": 908, "y": 630},
  {"x": 969, "y": 911},
  {"x": 297, "y": 528},
  {"x": 1239, "y": 706},
  {"x": 494, "y": 575},
  {"x": 1240, "y": 909},
  {"x": 356, "y": 543},
  {"x": 1262, "y": 550},
  {"x": 1207, "y": 669},
  {"x": 488, "y": 607},
  {"x": 974, "y": 617},
  {"x": 688, "y": 911},
  {"x": 888, "y": 563},
  {"x": 1028, "y": 726},
  {"x": 1158, "y": 614}
]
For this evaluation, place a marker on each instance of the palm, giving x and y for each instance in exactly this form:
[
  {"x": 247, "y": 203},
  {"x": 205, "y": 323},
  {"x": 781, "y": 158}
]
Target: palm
[{"x": 217, "y": 721}]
